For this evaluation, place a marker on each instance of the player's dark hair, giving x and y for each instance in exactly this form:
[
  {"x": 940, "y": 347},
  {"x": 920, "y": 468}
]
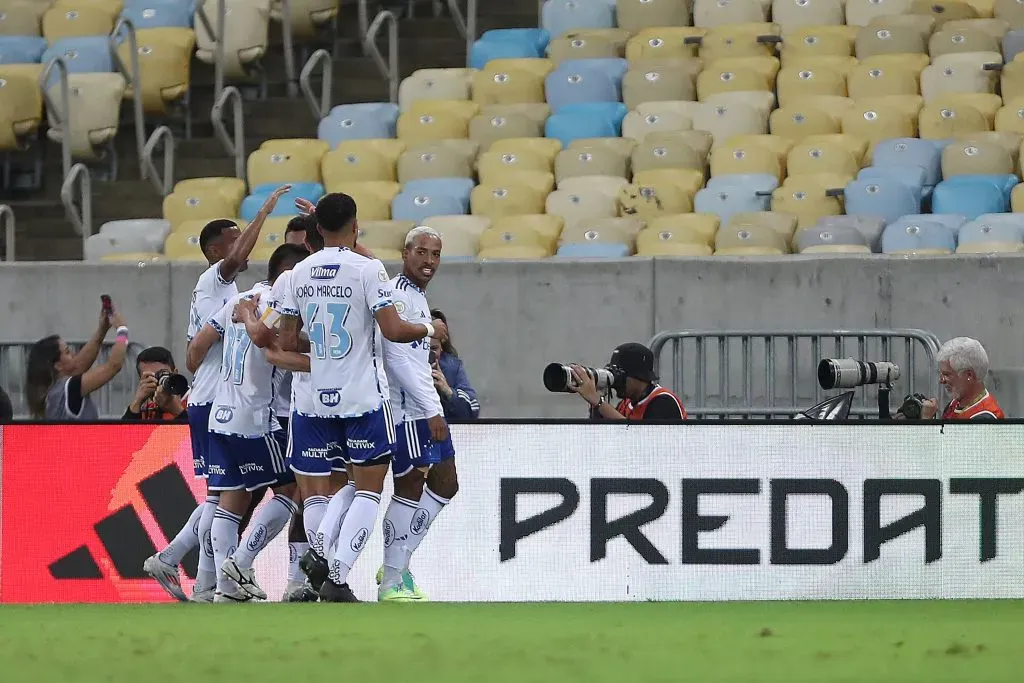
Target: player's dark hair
[
  {"x": 154, "y": 354},
  {"x": 301, "y": 224},
  {"x": 283, "y": 258},
  {"x": 335, "y": 212},
  {"x": 40, "y": 373},
  {"x": 6, "y": 407},
  {"x": 212, "y": 232},
  {"x": 446, "y": 344},
  {"x": 314, "y": 238}
]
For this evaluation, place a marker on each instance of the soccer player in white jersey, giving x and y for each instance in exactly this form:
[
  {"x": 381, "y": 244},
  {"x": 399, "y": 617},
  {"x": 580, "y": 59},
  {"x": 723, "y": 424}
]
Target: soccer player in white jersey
[
  {"x": 344, "y": 301},
  {"x": 227, "y": 250},
  {"x": 246, "y": 442},
  {"x": 423, "y": 439}
]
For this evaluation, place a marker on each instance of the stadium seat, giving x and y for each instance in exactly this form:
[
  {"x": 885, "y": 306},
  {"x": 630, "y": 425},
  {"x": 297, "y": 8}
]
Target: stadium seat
[
  {"x": 452, "y": 187},
  {"x": 233, "y": 188},
  {"x": 986, "y": 236},
  {"x": 913, "y": 177},
  {"x": 975, "y": 157},
  {"x": 725, "y": 121},
  {"x": 547, "y": 226},
  {"x": 573, "y": 207},
  {"x": 362, "y": 121},
  {"x": 590, "y": 160},
  {"x": 411, "y": 206},
  {"x": 593, "y": 250},
  {"x": 386, "y": 239},
  {"x": 783, "y": 223},
  {"x": 973, "y": 196},
  {"x": 96, "y": 106},
  {"x": 576, "y": 46},
  {"x": 832, "y": 240},
  {"x": 910, "y": 152},
  {"x": 634, "y": 15},
  {"x": 586, "y": 120},
  {"x": 442, "y": 159},
  {"x": 21, "y": 105},
  {"x": 678, "y": 235},
  {"x": 562, "y": 16},
  {"x": 245, "y": 37},
  {"x": 911, "y": 237},
  {"x": 22, "y": 18},
  {"x": 434, "y": 84},
  {"x": 430, "y": 121},
  {"x": 732, "y": 195},
  {"x": 21, "y": 49},
  {"x": 886, "y": 200},
  {"x": 794, "y": 14},
  {"x": 492, "y": 167},
  {"x": 660, "y": 192},
  {"x": 512, "y": 84},
  {"x": 147, "y": 235},
  {"x": 183, "y": 246},
  {"x": 805, "y": 199},
  {"x": 166, "y": 14},
  {"x": 522, "y": 193},
  {"x": 357, "y": 160},
  {"x": 508, "y": 43},
  {"x": 281, "y": 166},
  {"x": 749, "y": 240},
  {"x": 515, "y": 242},
  {"x": 76, "y": 19},
  {"x": 309, "y": 18},
  {"x": 285, "y": 205},
  {"x": 164, "y": 58},
  {"x": 870, "y": 227},
  {"x": 578, "y": 84},
  {"x": 90, "y": 54},
  {"x": 486, "y": 130}
]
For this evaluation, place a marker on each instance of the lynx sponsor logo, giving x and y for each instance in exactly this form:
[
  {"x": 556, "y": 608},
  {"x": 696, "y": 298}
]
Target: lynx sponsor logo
[
  {"x": 328, "y": 272},
  {"x": 330, "y": 397}
]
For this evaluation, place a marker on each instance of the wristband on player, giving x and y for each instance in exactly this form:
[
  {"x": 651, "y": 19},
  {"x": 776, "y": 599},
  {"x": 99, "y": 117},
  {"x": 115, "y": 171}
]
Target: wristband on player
[
  {"x": 122, "y": 334},
  {"x": 430, "y": 329}
]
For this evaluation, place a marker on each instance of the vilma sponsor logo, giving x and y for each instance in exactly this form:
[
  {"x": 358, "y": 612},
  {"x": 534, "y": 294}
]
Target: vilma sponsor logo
[
  {"x": 259, "y": 534},
  {"x": 327, "y": 272},
  {"x": 419, "y": 521},
  {"x": 360, "y": 540},
  {"x": 876, "y": 495}
]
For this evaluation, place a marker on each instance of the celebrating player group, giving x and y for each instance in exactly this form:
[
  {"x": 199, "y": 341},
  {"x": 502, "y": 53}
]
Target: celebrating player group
[{"x": 351, "y": 346}]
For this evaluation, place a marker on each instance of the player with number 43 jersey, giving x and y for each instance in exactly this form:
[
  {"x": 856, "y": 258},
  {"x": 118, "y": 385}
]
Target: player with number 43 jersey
[{"x": 345, "y": 303}]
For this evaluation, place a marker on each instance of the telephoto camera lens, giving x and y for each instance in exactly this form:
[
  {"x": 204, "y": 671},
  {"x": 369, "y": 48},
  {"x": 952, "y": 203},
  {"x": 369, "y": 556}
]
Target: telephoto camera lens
[
  {"x": 848, "y": 373},
  {"x": 558, "y": 378}
]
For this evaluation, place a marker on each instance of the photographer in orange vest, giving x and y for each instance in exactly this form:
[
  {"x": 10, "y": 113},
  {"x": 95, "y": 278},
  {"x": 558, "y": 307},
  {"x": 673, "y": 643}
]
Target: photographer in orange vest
[{"x": 642, "y": 399}]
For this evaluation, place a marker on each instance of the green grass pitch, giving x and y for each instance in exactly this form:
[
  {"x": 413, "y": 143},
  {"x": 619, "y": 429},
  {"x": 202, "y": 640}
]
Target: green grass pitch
[{"x": 934, "y": 641}]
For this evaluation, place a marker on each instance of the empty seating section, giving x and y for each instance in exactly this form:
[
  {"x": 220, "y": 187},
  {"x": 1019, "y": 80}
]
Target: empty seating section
[{"x": 619, "y": 128}]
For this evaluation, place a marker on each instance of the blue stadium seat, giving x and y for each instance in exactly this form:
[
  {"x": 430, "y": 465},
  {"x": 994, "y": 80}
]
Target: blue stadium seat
[
  {"x": 21, "y": 49},
  {"x": 593, "y": 250},
  {"x": 88, "y": 54},
  {"x": 560, "y": 16},
  {"x": 453, "y": 187},
  {"x": 614, "y": 68},
  {"x": 870, "y": 227},
  {"x": 509, "y": 43},
  {"x": 409, "y": 206},
  {"x": 950, "y": 220},
  {"x": 973, "y": 196},
  {"x": 159, "y": 14},
  {"x": 1013, "y": 43},
  {"x": 364, "y": 121},
  {"x": 727, "y": 195},
  {"x": 586, "y": 120},
  {"x": 903, "y": 236},
  {"x": 886, "y": 200},
  {"x": 911, "y": 152},
  {"x": 285, "y": 205},
  {"x": 565, "y": 86},
  {"x": 911, "y": 176}
]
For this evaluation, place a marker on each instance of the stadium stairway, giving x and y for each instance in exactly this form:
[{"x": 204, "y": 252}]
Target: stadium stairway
[{"x": 45, "y": 233}]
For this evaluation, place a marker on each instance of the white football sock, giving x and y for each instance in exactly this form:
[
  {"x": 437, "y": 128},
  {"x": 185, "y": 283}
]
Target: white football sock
[
  {"x": 313, "y": 509},
  {"x": 266, "y": 524},
  {"x": 296, "y": 549},
  {"x": 185, "y": 541},
  {"x": 206, "y": 578},
  {"x": 355, "y": 532},
  {"x": 432, "y": 504},
  {"x": 397, "y": 531},
  {"x": 330, "y": 525},
  {"x": 224, "y": 535}
]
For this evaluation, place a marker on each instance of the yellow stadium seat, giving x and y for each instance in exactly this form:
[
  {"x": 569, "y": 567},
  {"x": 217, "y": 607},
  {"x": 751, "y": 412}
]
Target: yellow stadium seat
[
  {"x": 685, "y": 227},
  {"x": 997, "y": 28},
  {"x": 665, "y": 150},
  {"x": 373, "y": 197},
  {"x": 795, "y": 83},
  {"x": 866, "y": 81},
  {"x": 499, "y": 239},
  {"x": 21, "y": 105},
  {"x": 831, "y": 164},
  {"x": 924, "y": 25},
  {"x": 715, "y": 79},
  {"x": 622, "y": 146},
  {"x": 975, "y": 157},
  {"x": 797, "y": 122},
  {"x": 434, "y": 84},
  {"x": 616, "y": 36},
  {"x": 637, "y": 126},
  {"x": 537, "y": 111},
  {"x": 519, "y": 193},
  {"x": 195, "y": 226},
  {"x": 200, "y": 204},
  {"x": 72, "y": 20},
  {"x": 809, "y": 42},
  {"x": 1017, "y": 199},
  {"x": 664, "y": 42},
  {"x": 245, "y": 36},
  {"x": 432, "y": 120},
  {"x": 449, "y": 226},
  {"x": 856, "y": 146},
  {"x": 546, "y": 147},
  {"x": 889, "y": 39},
  {"x": 779, "y": 221},
  {"x": 950, "y": 115},
  {"x": 575, "y": 206},
  {"x": 111, "y": 7},
  {"x": 386, "y": 239},
  {"x": 1010, "y": 11},
  {"x": 507, "y": 86},
  {"x": 441, "y": 159},
  {"x": 660, "y": 192},
  {"x": 761, "y": 101},
  {"x": 724, "y": 121},
  {"x": 486, "y": 130},
  {"x": 862, "y": 12},
  {"x": 309, "y": 18},
  {"x": 960, "y": 73},
  {"x": 654, "y": 85},
  {"x": 954, "y": 41},
  {"x": 1013, "y": 80},
  {"x": 635, "y": 15},
  {"x": 279, "y": 167},
  {"x": 729, "y": 159},
  {"x": 806, "y": 199},
  {"x": 232, "y": 188},
  {"x": 878, "y": 122},
  {"x": 749, "y": 240},
  {"x": 549, "y": 227},
  {"x": 183, "y": 246},
  {"x": 605, "y": 184},
  {"x": 538, "y": 67},
  {"x": 164, "y": 58},
  {"x": 793, "y": 15},
  {"x": 305, "y": 146},
  {"x": 96, "y": 106},
  {"x": 738, "y": 40},
  {"x": 1010, "y": 118},
  {"x": 587, "y": 161},
  {"x": 139, "y": 258},
  {"x": 22, "y": 18},
  {"x": 777, "y": 144},
  {"x": 491, "y": 166},
  {"x": 715, "y": 13},
  {"x": 358, "y": 160},
  {"x": 943, "y": 10}
]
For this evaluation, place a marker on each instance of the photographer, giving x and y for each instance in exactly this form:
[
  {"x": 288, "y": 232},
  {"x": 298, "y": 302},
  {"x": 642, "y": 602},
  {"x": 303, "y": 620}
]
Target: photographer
[
  {"x": 963, "y": 366},
  {"x": 642, "y": 399},
  {"x": 458, "y": 398},
  {"x": 161, "y": 391}
]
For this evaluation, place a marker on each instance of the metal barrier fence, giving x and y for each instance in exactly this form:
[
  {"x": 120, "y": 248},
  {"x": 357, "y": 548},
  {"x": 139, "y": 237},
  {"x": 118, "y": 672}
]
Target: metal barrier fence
[
  {"x": 755, "y": 374},
  {"x": 110, "y": 400}
]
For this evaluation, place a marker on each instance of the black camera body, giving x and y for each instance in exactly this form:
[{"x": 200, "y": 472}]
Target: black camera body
[
  {"x": 558, "y": 378},
  {"x": 171, "y": 382},
  {"x": 912, "y": 407}
]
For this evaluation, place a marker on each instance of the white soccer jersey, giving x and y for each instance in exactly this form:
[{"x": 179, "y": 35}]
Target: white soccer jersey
[
  {"x": 247, "y": 383},
  {"x": 301, "y": 392},
  {"x": 210, "y": 294},
  {"x": 283, "y": 393},
  {"x": 413, "y": 396},
  {"x": 336, "y": 292}
]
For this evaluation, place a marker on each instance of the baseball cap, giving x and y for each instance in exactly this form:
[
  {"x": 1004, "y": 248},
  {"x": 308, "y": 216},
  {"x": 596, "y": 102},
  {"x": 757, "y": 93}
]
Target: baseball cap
[{"x": 635, "y": 360}]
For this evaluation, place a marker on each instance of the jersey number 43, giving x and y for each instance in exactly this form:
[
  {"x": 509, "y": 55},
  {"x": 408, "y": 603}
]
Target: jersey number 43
[{"x": 326, "y": 327}]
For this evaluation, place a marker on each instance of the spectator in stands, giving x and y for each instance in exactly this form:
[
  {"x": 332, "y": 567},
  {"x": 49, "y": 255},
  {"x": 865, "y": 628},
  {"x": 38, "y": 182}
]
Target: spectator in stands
[
  {"x": 6, "y": 407},
  {"x": 152, "y": 402},
  {"x": 642, "y": 398},
  {"x": 458, "y": 398},
  {"x": 58, "y": 382},
  {"x": 963, "y": 366}
]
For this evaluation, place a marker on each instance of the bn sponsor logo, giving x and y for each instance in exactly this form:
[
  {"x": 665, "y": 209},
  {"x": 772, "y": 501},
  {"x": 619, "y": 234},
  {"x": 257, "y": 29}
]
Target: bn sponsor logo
[
  {"x": 330, "y": 397},
  {"x": 223, "y": 415},
  {"x": 696, "y": 530},
  {"x": 328, "y": 272}
]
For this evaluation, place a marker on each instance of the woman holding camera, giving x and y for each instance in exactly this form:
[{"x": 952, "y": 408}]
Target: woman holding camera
[{"x": 58, "y": 382}]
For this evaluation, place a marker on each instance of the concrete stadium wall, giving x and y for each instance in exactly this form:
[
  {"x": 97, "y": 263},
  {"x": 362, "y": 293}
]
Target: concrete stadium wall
[{"x": 509, "y": 319}]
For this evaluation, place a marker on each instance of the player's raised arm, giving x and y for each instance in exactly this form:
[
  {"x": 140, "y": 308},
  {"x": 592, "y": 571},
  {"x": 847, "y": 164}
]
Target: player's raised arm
[{"x": 246, "y": 242}]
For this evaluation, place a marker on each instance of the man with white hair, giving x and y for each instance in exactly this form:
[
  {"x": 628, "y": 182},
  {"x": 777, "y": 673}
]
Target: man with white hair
[
  {"x": 963, "y": 366},
  {"x": 423, "y": 438}
]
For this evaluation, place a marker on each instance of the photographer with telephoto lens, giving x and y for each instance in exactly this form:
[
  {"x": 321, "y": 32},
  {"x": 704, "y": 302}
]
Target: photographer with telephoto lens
[
  {"x": 963, "y": 366},
  {"x": 160, "y": 395},
  {"x": 630, "y": 372}
]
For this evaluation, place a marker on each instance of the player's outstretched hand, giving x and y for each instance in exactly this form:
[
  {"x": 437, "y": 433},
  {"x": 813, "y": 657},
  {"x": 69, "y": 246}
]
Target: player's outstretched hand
[
  {"x": 438, "y": 428},
  {"x": 304, "y": 206},
  {"x": 276, "y": 195}
]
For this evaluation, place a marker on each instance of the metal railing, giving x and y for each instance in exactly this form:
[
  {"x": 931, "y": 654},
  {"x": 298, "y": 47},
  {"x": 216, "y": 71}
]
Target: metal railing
[
  {"x": 465, "y": 23},
  {"x": 131, "y": 74},
  {"x": 110, "y": 399},
  {"x": 773, "y": 373},
  {"x": 81, "y": 221},
  {"x": 388, "y": 68},
  {"x": 234, "y": 142},
  {"x": 322, "y": 59},
  {"x": 163, "y": 182},
  {"x": 63, "y": 115},
  {"x": 288, "y": 41},
  {"x": 7, "y": 228},
  {"x": 218, "y": 38}
]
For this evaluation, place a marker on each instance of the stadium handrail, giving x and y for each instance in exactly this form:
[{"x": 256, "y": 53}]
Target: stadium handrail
[
  {"x": 63, "y": 115},
  {"x": 133, "y": 76},
  {"x": 218, "y": 36},
  {"x": 79, "y": 177},
  {"x": 389, "y": 69},
  {"x": 234, "y": 147},
  {"x": 163, "y": 183},
  {"x": 466, "y": 24},
  {"x": 7, "y": 228},
  {"x": 323, "y": 59}
]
